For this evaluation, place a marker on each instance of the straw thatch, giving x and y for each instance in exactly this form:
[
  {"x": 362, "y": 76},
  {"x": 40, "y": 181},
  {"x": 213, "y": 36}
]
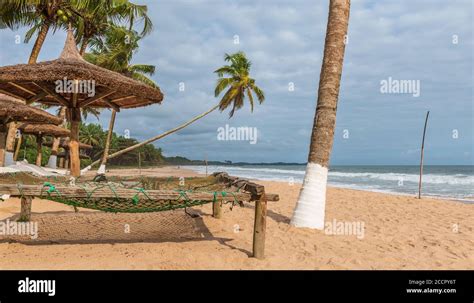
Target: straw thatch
[
  {"x": 12, "y": 109},
  {"x": 38, "y": 82},
  {"x": 44, "y": 129}
]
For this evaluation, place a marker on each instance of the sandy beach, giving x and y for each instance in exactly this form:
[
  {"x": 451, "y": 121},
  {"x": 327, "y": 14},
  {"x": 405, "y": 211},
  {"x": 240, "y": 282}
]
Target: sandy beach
[{"x": 399, "y": 232}]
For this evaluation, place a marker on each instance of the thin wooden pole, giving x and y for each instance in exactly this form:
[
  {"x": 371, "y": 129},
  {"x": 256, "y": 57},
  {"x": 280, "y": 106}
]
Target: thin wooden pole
[
  {"x": 25, "y": 212},
  {"x": 260, "y": 226},
  {"x": 3, "y": 139},
  {"x": 422, "y": 153}
]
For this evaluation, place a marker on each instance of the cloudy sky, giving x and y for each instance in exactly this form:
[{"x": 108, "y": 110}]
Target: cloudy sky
[{"x": 426, "y": 41}]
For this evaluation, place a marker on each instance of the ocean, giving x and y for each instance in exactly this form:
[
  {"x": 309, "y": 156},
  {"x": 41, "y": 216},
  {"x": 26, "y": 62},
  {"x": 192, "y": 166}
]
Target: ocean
[{"x": 443, "y": 181}]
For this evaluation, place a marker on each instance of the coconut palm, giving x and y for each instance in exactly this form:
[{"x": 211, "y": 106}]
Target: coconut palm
[
  {"x": 239, "y": 85},
  {"x": 115, "y": 51},
  {"x": 310, "y": 208},
  {"x": 96, "y": 16},
  {"x": 238, "y": 82},
  {"x": 38, "y": 15}
]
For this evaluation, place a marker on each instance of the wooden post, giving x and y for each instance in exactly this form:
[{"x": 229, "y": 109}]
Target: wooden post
[
  {"x": 260, "y": 226},
  {"x": 75, "y": 162},
  {"x": 25, "y": 213},
  {"x": 3, "y": 138},
  {"x": 422, "y": 152},
  {"x": 39, "y": 149},
  {"x": 217, "y": 209}
]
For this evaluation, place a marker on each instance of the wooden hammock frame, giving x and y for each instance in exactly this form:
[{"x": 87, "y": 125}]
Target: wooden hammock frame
[{"x": 240, "y": 190}]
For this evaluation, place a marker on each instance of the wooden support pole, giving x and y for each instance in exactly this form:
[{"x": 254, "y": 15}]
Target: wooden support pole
[
  {"x": 39, "y": 149},
  {"x": 422, "y": 153},
  {"x": 3, "y": 139},
  {"x": 25, "y": 213},
  {"x": 75, "y": 162},
  {"x": 107, "y": 142},
  {"x": 217, "y": 209},
  {"x": 260, "y": 226}
]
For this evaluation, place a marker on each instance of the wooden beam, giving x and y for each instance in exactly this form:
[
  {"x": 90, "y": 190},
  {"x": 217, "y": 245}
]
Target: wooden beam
[
  {"x": 91, "y": 100},
  {"x": 22, "y": 88},
  {"x": 123, "y": 98},
  {"x": 36, "y": 97},
  {"x": 106, "y": 192},
  {"x": 53, "y": 94},
  {"x": 12, "y": 95},
  {"x": 112, "y": 104}
]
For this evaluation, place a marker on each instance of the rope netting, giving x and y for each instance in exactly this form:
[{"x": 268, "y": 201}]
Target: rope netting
[{"x": 141, "y": 202}]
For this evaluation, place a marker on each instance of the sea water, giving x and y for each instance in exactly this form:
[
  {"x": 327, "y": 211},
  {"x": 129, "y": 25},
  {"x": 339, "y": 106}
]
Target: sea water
[{"x": 444, "y": 181}]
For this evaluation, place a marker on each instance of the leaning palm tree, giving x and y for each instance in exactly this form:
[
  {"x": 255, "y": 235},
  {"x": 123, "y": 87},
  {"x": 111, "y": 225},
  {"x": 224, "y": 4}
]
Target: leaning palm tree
[
  {"x": 310, "y": 208},
  {"x": 239, "y": 85}
]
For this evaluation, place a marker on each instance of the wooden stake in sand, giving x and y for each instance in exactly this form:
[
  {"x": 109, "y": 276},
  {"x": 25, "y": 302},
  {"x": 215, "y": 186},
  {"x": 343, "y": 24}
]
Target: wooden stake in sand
[{"x": 422, "y": 152}]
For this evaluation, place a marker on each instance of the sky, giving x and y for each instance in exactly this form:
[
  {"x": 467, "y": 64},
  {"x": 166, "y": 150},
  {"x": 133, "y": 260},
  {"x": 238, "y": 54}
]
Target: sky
[{"x": 429, "y": 43}]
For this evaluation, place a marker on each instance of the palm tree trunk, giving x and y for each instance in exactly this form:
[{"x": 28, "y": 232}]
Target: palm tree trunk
[
  {"x": 107, "y": 143},
  {"x": 39, "y": 42},
  {"x": 84, "y": 44},
  {"x": 52, "y": 162},
  {"x": 17, "y": 148},
  {"x": 310, "y": 208},
  {"x": 169, "y": 132}
]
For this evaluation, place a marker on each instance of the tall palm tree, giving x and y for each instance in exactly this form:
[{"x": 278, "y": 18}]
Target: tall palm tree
[
  {"x": 39, "y": 15},
  {"x": 96, "y": 16},
  {"x": 239, "y": 85},
  {"x": 310, "y": 208},
  {"x": 115, "y": 51}
]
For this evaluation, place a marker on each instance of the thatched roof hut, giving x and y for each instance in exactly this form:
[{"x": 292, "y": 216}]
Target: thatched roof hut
[
  {"x": 12, "y": 109},
  {"x": 43, "y": 130},
  {"x": 52, "y": 82},
  {"x": 72, "y": 82}
]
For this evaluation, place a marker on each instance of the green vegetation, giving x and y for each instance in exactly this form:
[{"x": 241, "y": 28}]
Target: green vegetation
[{"x": 95, "y": 135}]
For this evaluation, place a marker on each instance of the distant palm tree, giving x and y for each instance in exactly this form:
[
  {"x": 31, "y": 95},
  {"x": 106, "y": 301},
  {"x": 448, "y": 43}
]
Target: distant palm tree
[
  {"x": 239, "y": 82},
  {"x": 91, "y": 134},
  {"x": 240, "y": 86},
  {"x": 310, "y": 208}
]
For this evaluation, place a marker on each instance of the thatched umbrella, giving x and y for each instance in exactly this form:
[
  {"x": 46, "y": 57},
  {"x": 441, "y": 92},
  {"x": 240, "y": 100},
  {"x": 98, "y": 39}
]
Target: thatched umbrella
[
  {"x": 41, "y": 130},
  {"x": 13, "y": 110},
  {"x": 65, "y": 144},
  {"x": 72, "y": 82}
]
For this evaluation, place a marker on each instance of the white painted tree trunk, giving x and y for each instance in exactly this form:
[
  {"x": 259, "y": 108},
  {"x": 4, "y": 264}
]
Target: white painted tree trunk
[{"x": 311, "y": 203}]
